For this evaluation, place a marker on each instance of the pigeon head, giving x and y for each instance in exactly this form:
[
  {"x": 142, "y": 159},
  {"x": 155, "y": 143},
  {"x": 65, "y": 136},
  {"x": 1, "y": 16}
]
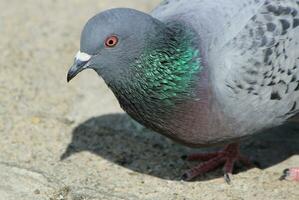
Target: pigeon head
[{"x": 112, "y": 40}]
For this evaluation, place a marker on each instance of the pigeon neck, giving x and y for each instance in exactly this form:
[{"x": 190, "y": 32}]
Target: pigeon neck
[
  {"x": 169, "y": 67},
  {"x": 163, "y": 78}
]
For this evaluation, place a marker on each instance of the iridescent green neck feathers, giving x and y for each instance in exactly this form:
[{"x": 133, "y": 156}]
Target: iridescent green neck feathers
[
  {"x": 166, "y": 72},
  {"x": 170, "y": 71}
]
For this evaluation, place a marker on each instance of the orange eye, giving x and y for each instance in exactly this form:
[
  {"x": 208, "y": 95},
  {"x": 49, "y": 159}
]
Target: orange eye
[{"x": 111, "y": 41}]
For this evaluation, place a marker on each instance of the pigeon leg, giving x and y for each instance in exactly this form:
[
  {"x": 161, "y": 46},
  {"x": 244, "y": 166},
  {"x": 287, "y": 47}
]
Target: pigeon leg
[
  {"x": 227, "y": 157},
  {"x": 291, "y": 174}
]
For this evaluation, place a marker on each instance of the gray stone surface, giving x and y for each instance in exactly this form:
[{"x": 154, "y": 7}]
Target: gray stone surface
[{"x": 105, "y": 155}]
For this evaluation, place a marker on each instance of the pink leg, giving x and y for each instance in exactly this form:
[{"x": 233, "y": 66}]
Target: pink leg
[
  {"x": 291, "y": 174},
  {"x": 202, "y": 168},
  {"x": 228, "y": 157},
  {"x": 228, "y": 169}
]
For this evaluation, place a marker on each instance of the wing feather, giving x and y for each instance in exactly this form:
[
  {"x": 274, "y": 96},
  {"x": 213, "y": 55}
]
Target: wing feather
[{"x": 261, "y": 65}]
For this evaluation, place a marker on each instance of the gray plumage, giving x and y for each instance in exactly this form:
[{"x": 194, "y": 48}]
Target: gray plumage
[
  {"x": 251, "y": 48},
  {"x": 249, "y": 52}
]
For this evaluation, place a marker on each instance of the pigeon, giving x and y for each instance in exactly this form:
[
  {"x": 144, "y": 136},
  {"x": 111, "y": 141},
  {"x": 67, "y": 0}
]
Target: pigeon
[{"x": 201, "y": 72}]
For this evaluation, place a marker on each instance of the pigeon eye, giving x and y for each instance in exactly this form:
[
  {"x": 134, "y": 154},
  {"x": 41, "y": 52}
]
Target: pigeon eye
[{"x": 111, "y": 41}]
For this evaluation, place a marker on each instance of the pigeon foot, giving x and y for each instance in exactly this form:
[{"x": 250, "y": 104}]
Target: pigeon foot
[
  {"x": 227, "y": 157},
  {"x": 291, "y": 174}
]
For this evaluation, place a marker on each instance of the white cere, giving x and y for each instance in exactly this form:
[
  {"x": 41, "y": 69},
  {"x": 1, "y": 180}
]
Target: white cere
[{"x": 82, "y": 56}]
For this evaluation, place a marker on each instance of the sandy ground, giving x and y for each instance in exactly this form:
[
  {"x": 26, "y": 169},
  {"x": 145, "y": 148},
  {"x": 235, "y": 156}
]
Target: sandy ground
[{"x": 105, "y": 154}]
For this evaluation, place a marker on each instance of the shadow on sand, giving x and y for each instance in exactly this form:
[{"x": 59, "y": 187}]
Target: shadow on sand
[{"x": 121, "y": 140}]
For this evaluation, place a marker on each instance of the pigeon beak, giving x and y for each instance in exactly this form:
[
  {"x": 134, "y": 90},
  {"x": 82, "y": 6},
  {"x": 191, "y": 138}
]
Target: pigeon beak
[
  {"x": 75, "y": 69},
  {"x": 81, "y": 63}
]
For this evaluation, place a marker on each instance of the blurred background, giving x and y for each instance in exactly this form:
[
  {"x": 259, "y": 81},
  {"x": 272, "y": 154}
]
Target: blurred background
[{"x": 72, "y": 141}]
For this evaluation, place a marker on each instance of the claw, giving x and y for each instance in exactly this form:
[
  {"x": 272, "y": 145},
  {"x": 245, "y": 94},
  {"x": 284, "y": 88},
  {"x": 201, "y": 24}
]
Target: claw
[
  {"x": 186, "y": 177},
  {"x": 285, "y": 174},
  {"x": 227, "y": 178},
  {"x": 228, "y": 157}
]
